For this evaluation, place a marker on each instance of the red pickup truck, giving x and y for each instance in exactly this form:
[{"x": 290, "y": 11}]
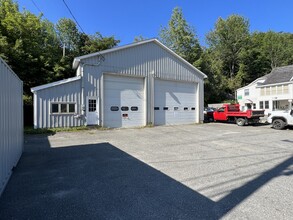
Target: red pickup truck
[{"x": 231, "y": 112}]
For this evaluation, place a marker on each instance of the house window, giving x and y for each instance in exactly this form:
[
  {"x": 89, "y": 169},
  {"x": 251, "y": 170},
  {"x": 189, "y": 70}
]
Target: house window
[
  {"x": 285, "y": 89},
  {"x": 267, "y": 105},
  {"x": 261, "y": 104},
  {"x": 273, "y": 90},
  {"x": 262, "y": 91},
  {"x": 254, "y": 106},
  {"x": 54, "y": 108},
  {"x": 156, "y": 108},
  {"x": 268, "y": 91},
  {"x": 246, "y": 92},
  {"x": 185, "y": 108},
  {"x": 176, "y": 108},
  {"x": 279, "y": 90},
  {"x": 92, "y": 105},
  {"x": 71, "y": 108},
  {"x": 63, "y": 108}
]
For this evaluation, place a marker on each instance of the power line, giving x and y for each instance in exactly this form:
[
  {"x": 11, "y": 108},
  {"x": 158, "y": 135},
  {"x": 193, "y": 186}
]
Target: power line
[
  {"x": 38, "y": 8},
  {"x": 73, "y": 16}
]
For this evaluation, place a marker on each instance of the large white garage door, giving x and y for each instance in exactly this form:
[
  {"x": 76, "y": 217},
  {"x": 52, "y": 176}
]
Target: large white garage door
[
  {"x": 175, "y": 102},
  {"x": 124, "y": 101}
]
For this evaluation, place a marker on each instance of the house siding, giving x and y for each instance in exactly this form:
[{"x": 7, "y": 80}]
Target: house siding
[
  {"x": 256, "y": 96},
  {"x": 69, "y": 92},
  {"x": 146, "y": 60},
  {"x": 149, "y": 61},
  {"x": 11, "y": 122}
]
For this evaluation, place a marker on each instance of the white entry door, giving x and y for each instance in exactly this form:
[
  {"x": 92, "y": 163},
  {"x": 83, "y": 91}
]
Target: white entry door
[{"x": 92, "y": 111}]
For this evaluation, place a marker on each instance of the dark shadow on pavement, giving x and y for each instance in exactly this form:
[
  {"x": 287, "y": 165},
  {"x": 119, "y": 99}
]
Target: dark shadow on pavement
[
  {"x": 99, "y": 181},
  {"x": 96, "y": 181}
]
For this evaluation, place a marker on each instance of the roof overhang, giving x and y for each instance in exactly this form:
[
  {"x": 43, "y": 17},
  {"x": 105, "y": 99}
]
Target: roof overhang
[
  {"x": 274, "y": 84},
  {"x": 77, "y": 60},
  {"x": 49, "y": 85}
]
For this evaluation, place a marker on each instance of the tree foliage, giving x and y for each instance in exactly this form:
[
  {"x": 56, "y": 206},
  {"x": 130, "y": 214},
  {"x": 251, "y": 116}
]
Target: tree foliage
[
  {"x": 244, "y": 56},
  {"x": 34, "y": 47},
  {"x": 41, "y": 52},
  {"x": 229, "y": 39},
  {"x": 180, "y": 37}
]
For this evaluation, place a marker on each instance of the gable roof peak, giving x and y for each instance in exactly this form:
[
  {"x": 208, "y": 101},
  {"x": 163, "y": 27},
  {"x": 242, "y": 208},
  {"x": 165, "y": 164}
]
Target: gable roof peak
[{"x": 77, "y": 60}]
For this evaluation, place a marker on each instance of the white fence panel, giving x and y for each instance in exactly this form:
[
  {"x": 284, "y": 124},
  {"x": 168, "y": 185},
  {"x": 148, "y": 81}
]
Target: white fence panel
[{"x": 11, "y": 122}]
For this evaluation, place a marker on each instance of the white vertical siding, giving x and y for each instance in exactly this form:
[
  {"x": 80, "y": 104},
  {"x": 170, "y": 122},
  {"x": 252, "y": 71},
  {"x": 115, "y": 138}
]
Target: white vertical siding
[
  {"x": 147, "y": 60},
  {"x": 11, "y": 122},
  {"x": 68, "y": 92}
]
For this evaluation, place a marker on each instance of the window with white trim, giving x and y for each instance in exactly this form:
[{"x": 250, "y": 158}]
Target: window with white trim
[
  {"x": 63, "y": 108},
  {"x": 285, "y": 89},
  {"x": 267, "y": 105},
  {"x": 246, "y": 92},
  {"x": 261, "y": 104},
  {"x": 262, "y": 91}
]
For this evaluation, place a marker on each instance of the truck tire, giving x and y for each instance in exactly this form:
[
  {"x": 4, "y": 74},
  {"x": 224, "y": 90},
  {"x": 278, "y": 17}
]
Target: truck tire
[
  {"x": 278, "y": 124},
  {"x": 240, "y": 121}
]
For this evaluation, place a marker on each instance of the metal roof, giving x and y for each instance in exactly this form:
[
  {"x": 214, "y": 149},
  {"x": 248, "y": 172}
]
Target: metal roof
[{"x": 34, "y": 89}]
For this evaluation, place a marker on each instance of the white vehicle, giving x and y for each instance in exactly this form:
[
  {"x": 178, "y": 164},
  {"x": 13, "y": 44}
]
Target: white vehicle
[{"x": 281, "y": 119}]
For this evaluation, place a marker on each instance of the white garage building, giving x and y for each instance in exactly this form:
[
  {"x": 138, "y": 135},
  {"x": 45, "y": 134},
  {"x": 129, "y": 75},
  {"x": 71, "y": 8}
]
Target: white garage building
[{"x": 129, "y": 86}]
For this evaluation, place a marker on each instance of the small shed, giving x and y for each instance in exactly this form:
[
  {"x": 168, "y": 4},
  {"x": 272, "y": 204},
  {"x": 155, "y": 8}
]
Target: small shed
[
  {"x": 11, "y": 122},
  {"x": 128, "y": 86}
]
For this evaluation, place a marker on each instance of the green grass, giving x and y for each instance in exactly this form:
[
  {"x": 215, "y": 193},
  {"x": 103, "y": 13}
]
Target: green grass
[{"x": 31, "y": 130}]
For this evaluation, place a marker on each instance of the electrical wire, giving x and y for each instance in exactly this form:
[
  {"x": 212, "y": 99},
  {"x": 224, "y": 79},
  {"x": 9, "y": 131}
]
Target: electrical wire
[
  {"x": 73, "y": 16},
  {"x": 34, "y": 3}
]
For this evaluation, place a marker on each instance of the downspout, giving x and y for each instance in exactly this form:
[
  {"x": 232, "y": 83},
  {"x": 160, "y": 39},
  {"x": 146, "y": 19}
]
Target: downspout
[{"x": 82, "y": 96}]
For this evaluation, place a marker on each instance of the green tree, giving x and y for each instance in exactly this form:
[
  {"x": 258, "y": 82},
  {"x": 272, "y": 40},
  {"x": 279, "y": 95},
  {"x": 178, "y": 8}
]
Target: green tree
[
  {"x": 278, "y": 48},
  {"x": 68, "y": 34},
  {"x": 215, "y": 87},
  {"x": 180, "y": 37},
  {"x": 229, "y": 39},
  {"x": 139, "y": 38},
  {"x": 96, "y": 42},
  {"x": 27, "y": 46}
]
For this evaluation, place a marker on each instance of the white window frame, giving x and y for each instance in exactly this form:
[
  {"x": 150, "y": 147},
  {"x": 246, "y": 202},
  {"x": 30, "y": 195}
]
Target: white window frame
[
  {"x": 59, "y": 108},
  {"x": 267, "y": 104},
  {"x": 246, "y": 92}
]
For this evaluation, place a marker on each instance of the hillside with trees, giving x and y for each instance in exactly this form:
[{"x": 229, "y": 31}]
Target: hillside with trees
[
  {"x": 234, "y": 56},
  {"x": 42, "y": 52}
]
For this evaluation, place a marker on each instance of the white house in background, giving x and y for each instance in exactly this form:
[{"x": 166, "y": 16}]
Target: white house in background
[
  {"x": 271, "y": 92},
  {"x": 128, "y": 86}
]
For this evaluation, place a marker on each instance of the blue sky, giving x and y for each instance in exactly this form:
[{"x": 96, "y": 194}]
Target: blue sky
[{"x": 126, "y": 19}]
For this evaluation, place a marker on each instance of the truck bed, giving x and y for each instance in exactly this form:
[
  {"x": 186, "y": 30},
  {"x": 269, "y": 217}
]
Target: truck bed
[{"x": 246, "y": 114}]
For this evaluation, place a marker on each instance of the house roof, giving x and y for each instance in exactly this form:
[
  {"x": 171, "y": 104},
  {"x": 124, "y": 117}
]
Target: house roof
[
  {"x": 279, "y": 75},
  {"x": 37, "y": 88},
  {"x": 257, "y": 81},
  {"x": 77, "y": 60}
]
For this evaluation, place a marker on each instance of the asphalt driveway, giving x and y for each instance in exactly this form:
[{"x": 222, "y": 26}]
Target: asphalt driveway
[{"x": 208, "y": 171}]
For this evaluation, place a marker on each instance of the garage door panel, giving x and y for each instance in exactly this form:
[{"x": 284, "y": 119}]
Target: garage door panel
[
  {"x": 179, "y": 97},
  {"x": 124, "y": 92}
]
